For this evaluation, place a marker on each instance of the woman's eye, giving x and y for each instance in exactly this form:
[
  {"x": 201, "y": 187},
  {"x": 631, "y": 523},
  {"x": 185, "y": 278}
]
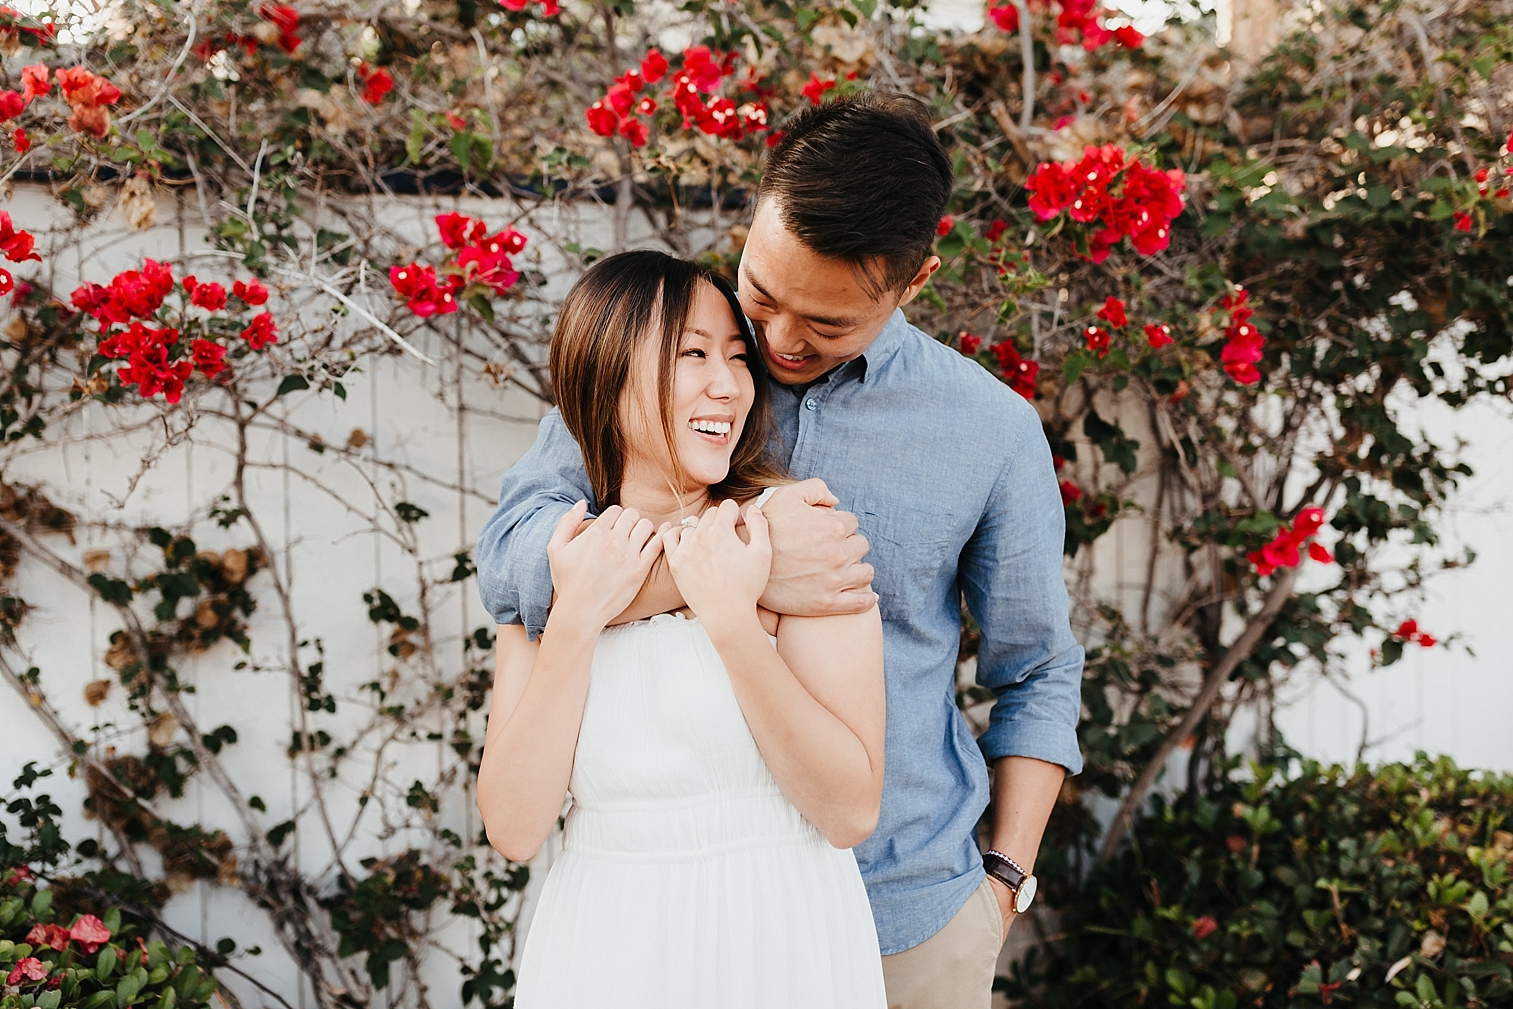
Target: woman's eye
[{"x": 693, "y": 353}]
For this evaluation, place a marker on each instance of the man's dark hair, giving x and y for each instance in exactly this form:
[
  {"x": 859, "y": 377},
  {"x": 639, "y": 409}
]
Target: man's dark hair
[{"x": 864, "y": 180}]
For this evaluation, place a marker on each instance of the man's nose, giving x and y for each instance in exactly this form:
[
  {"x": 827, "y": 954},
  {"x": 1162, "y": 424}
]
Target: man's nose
[{"x": 781, "y": 335}]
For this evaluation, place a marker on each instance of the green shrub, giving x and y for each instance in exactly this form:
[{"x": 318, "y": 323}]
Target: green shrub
[
  {"x": 90, "y": 962},
  {"x": 1370, "y": 888}
]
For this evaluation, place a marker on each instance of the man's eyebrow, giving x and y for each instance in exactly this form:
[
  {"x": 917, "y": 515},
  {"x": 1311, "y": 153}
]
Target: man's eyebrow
[{"x": 833, "y": 321}]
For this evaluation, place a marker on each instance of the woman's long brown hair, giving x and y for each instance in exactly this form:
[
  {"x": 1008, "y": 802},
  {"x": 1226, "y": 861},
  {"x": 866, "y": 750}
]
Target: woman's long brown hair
[{"x": 609, "y": 311}]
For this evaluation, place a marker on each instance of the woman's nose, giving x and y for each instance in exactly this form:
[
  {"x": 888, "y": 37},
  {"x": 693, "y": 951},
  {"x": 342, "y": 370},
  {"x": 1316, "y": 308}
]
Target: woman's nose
[{"x": 722, "y": 383}]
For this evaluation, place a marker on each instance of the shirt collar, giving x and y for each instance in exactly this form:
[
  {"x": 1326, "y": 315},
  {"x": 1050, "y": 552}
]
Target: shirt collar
[{"x": 888, "y": 341}]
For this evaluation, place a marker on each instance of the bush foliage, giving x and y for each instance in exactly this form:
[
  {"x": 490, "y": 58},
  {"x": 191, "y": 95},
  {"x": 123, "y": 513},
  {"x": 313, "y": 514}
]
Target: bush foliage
[{"x": 1370, "y": 888}]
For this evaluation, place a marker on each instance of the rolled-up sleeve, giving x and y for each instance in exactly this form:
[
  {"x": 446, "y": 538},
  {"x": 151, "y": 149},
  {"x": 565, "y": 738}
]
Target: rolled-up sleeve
[
  {"x": 514, "y": 578},
  {"x": 1011, "y": 575}
]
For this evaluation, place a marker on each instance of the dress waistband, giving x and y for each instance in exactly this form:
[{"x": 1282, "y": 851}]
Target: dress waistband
[{"x": 695, "y": 827}]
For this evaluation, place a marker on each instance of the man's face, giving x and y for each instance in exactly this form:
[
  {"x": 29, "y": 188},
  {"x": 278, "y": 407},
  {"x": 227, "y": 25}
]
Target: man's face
[{"x": 810, "y": 312}]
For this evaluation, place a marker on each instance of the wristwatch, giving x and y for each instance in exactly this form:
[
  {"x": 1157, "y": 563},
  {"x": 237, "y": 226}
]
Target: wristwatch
[{"x": 1012, "y": 875}]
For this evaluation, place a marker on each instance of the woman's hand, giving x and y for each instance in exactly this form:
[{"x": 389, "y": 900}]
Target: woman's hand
[
  {"x": 598, "y": 571},
  {"x": 720, "y": 576}
]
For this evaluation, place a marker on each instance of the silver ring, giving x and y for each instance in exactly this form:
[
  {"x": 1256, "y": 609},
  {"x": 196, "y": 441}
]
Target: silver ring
[{"x": 690, "y": 522}]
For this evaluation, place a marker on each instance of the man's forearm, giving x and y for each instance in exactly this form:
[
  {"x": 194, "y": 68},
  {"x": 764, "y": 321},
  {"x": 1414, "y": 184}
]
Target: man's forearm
[
  {"x": 1024, "y": 793},
  {"x": 659, "y": 594}
]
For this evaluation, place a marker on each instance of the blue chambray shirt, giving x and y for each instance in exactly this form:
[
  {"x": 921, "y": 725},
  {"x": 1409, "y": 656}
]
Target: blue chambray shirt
[{"x": 950, "y": 476}]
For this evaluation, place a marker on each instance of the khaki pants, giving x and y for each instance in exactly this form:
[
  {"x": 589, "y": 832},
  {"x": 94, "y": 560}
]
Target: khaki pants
[{"x": 953, "y": 969}]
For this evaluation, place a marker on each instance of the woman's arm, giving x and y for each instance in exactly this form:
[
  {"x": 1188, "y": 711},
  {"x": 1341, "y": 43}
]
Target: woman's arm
[
  {"x": 540, "y": 688},
  {"x": 815, "y": 705},
  {"x": 816, "y": 708}
]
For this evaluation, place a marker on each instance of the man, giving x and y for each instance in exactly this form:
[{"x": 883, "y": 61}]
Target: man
[{"x": 949, "y": 477}]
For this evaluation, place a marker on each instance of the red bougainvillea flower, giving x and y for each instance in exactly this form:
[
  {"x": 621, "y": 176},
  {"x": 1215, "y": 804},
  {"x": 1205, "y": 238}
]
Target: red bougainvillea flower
[
  {"x": 89, "y": 932},
  {"x": 488, "y": 262},
  {"x": 87, "y": 94},
  {"x": 209, "y": 296},
  {"x": 996, "y": 230},
  {"x": 1244, "y": 344},
  {"x": 1097, "y": 340},
  {"x": 968, "y": 344},
  {"x": 1408, "y": 631},
  {"x": 1069, "y": 492},
  {"x": 11, "y": 105},
  {"x": 458, "y": 230},
  {"x": 1113, "y": 313},
  {"x": 252, "y": 292},
  {"x": 29, "y": 968},
  {"x": 1204, "y": 927},
  {"x": 1128, "y": 37},
  {"x": 1122, "y": 198},
  {"x": 21, "y": 141},
  {"x": 1284, "y": 549},
  {"x": 944, "y": 227},
  {"x": 132, "y": 294},
  {"x": 36, "y": 81},
  {"x": 286, "y": 20},
  {"x": 52, "y": 936},
  {"x": 149, "y": 365},
  {"x": 1005, "y": 16},
  {"x": 16, "y": 245},
  {"x": 376, "y": 84},
  {"x": 816, "y": 88},
  {"x": 261, "y": 331},
  {"x": 653, "y": 66},
  {"x": 208, "y": 356},
  {"x": 1462, "y": 221},
  {"x": 1158, "y": 335},
  {"x": 418, "y": 285},
  {"x": 456, "y": 121},
  {"x": 1019, "y": 373},
  {"x": 549, "y": 8},
  {"x": 7, "y": 282}
]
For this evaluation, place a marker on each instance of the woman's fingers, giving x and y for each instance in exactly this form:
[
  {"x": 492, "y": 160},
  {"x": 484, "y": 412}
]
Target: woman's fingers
[
  {"x": 756, "y": 523},
  {"x": 567, "y": 525},
  {"x": 642, "y": 531}
]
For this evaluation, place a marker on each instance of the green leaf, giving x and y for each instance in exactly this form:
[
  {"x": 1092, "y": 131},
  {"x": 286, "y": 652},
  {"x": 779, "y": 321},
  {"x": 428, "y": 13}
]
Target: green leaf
[
  {"x": 291, "y": 383},
  {"x": 112, "y": 920},
  {"x": 339, "y": 389},
  {"x": 867, "y": 7},
  {"x": 1076, "y": 363},
  {"x": 105, "y": 965},
  {"x": 417, "y": 138},
  {"x": 462, "y": 148},
  {"x": 481, "y": 304},
  {"x": 98, "y": 1000},
  {"x": 805, "y": 18},
  {"x": 42, "y": 905}
]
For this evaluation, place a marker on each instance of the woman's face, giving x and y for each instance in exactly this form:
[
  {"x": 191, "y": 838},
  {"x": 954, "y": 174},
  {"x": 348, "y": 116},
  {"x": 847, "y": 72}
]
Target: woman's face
[{"x": 712, "y": 394}]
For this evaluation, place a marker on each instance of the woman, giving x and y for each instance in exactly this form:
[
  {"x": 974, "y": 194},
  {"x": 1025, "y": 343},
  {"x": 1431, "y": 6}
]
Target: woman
[{"x": 717, "y": 774}]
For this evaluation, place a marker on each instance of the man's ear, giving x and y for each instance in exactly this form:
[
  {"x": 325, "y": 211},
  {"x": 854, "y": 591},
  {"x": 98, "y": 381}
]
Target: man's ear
[{"x": 926, "y": 271}]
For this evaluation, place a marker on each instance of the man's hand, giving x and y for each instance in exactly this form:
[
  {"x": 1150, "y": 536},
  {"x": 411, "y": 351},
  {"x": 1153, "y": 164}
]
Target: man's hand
[{"x": 817, "y": 567}]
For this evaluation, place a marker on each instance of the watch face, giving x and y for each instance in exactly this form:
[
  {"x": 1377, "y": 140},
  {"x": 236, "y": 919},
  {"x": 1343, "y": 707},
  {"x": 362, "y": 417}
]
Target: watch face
[{"x": 1026, "y": 895}]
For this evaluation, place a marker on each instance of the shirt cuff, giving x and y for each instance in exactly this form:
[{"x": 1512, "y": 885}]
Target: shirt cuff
[{"x": 1052, "y": 741}]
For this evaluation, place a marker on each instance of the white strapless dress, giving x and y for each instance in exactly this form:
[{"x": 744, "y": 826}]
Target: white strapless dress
[{"x": 687, "y": 880}]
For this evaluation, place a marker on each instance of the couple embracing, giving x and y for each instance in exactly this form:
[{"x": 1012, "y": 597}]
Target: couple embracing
[{"x": 775, "y": 799}]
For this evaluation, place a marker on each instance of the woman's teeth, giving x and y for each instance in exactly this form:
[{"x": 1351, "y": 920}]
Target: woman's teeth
[{"x": 716, "y": 427}]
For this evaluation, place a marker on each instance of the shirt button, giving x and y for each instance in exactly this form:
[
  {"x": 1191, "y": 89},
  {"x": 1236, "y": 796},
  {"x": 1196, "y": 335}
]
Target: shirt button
[{"x": 811, "y": 404}]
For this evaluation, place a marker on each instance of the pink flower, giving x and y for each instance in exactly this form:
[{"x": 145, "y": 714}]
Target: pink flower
[
  {"x": 29, "y": 968},
  {"x": 89, "y": 932},
  {"x": 52, "y": 936},
  {"x": 36, "y": 81},
  {"x": 1113, "y": 313},
  {"x": 252, "y": 292},
  {"x": 261, "y": 331},
  {"x": 1204, "y": 927}
]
